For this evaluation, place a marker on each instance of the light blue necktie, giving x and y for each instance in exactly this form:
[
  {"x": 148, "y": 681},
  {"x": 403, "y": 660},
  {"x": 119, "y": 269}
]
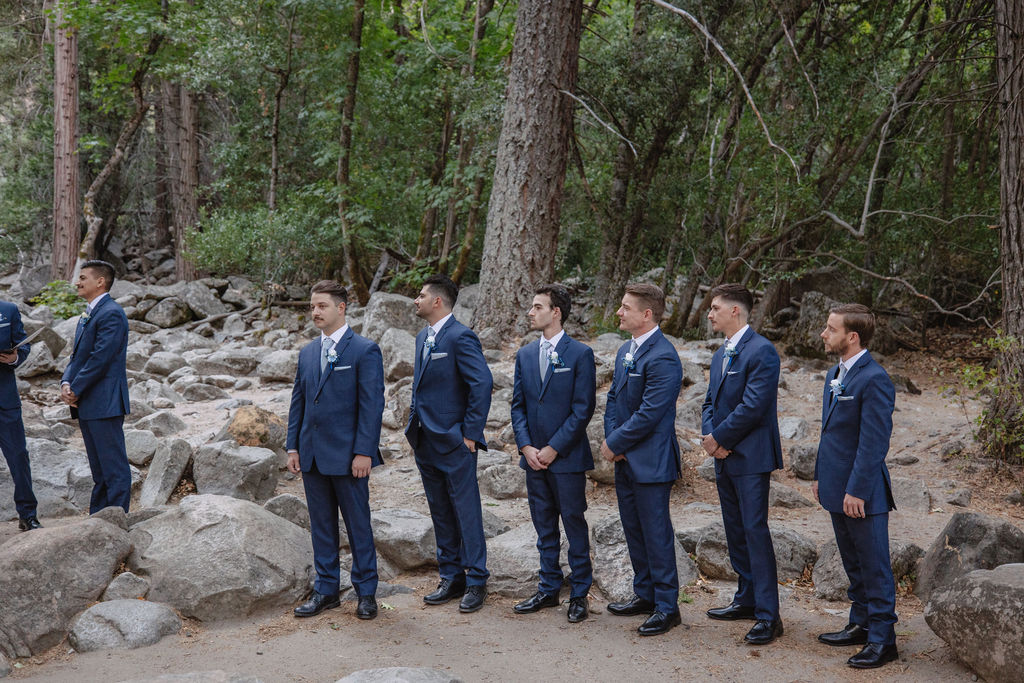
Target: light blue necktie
[
  {"x": 545, "y": 349},
  {"x": 426, "y": 349},
  {"x": 325, "y": 347},
  {"x": 726, "y": 357}
]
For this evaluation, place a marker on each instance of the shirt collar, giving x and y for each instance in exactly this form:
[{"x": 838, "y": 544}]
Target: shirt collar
[
  {"x": 645, "y": 336},
  {"x": 554, "y": 340},
  {"x": 336, "y": 337},
  {"x": 735, "y": 339},
  {"x": 848, "y": 364},
  {"x": 436, "y": 327},
  {"x": 94, "y": 303}
]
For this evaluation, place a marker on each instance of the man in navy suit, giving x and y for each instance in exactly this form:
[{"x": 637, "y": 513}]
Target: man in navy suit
[
  {"x": 12, "y": 429},
  {"x": 333, "y": 435},
  {"x": 640, "y": 438},
  {"x": 851, "y": 481},
  {"x": 451, "y": 396},
  {"x": 552, "y": 403},
  {"x": 741, "y": 430},
  {"x": 95, "y": 386}
]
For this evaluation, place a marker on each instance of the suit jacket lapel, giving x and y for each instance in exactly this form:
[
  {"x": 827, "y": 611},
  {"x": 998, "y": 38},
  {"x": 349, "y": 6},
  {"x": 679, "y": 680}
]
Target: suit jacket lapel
[
  {"x": 563, "y": 343},
  {"x": 339, "y": 349},
  {"x": 80, "y": 331},
  {"x": 834, "y": 400}
]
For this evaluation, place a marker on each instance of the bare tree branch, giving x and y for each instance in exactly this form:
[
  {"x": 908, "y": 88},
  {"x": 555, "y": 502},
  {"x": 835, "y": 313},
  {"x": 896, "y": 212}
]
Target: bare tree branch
[{"x": 599, "y": 120}]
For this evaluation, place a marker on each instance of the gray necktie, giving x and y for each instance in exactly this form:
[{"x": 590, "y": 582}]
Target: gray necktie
[
  {"x": 842, "y": 372},
  {"x": 545, "y": 349},
  {"x": 633, "y": 346},
  {"x": 325, "y": 347},
  {"x": 426, "y": 349},
  {"x": 726, "y": 357}
]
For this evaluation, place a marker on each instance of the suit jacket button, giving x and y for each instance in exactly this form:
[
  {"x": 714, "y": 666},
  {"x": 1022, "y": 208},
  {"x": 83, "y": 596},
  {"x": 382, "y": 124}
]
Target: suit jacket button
[{"x": 317, "y": 402}]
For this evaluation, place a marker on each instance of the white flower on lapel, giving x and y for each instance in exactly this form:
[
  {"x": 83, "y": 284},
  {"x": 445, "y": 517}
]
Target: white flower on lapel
[
  {"x": 332, "y": 356},
  {"x": 628, "y": 362},
  {"x": 555, "y": 359},
  {"x": 430, "y": 343},
  {"x": 837, "y": 387}
]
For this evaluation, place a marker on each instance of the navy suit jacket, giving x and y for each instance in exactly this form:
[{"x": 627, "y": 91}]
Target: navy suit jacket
[
  {"x": 11, "y": 332},
  {"x": 640, "y": 418},
  {"x": 451, "y": 390},
  {"x": 97, "y": 371},
  {"x": 855, "y": 432},
  {"x": 741, "y": 407},
  {"x": 555, "y": 412},
  {"x": 336, "y": 414}
]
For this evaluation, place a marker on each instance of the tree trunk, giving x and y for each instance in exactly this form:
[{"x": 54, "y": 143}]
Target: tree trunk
[
  {"x": 161, "y": 234},
  {"x": 185, "y": 204},
  {"x": 348, "y": 107},
  {"x": 526, "y": 195},
  {"x": 66, "y": 228},
  {"x": 1004, "y": 424}
]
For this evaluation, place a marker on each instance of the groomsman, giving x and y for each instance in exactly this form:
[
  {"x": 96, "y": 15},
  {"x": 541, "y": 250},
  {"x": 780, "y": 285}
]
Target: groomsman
[
  {"x": 552, "y": 403},
  {"x": 741, "y": 430},
  {"x": 851, "y": 481},
  {"x": 95, "y": 386},
  {"x": 333, "y": 434},
  {"x": 451, "y": 396},
  {"x": 12, "y": 429},
  {"x": 640, "y": 438}
]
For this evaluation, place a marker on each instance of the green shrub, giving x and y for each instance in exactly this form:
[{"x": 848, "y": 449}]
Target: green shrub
[{"x": 61, "y": 298}]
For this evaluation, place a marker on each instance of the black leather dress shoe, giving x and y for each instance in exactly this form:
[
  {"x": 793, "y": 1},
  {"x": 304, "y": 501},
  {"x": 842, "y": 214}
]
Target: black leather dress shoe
[
  {"x": 367, "y": 607},
  {"x": 447, "y": 589},
  {"x": 578, "y": 609},
  {"x": 537, "y": 602},
  {"x": 732, "y": 612},
  {"x": 635, "y": 605},
  {"x": 473, "y": 599},
  {"x": 29, "y": 523},
  {"x": 873, "y": 656},
  {"x": 317, "y": 604},
  {"x": 658, "y": 623},
  {"x": 764, "y": 632},
  {"x": 852, "y": 634}
]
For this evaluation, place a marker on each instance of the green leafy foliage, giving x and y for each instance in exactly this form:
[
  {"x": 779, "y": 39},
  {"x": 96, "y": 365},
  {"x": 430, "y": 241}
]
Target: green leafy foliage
[{"x": 61, "y": 298}]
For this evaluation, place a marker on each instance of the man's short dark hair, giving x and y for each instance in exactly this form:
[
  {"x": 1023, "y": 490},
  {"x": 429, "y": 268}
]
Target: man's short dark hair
[
  {"x": 337, "y": 291},
  {"x": 560, "y": 298},
  {"x": 857, "y": 318},
  {"x": 734, "y": 293},
  {"x": 650, "y": 296},
  {"x": 443, "y": 286},
  {"x": 103, "y": 270}
]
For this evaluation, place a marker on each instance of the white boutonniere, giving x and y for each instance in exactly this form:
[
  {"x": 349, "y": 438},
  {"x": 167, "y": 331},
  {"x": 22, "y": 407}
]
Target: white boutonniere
[
  {"x": 85, "y": 318},
  {"x": 731, "y": 352},
  {"x": 332, "y": 356},
  {"x": 837, "y": 387},
  {"x": 555, "y": 359},
  {"x": 2, "y": 318},
  {"x": 430, "y": 343},
  {"x": 628, "y": 362}
]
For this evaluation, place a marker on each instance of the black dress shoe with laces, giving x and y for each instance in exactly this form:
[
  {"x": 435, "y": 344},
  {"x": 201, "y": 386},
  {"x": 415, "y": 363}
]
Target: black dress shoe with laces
[
  {"x": 578, "y": 609},
  {"x": 873, "y": 656},
  {"x": 764, "y": 631},
  {"x": 447, "y": 589},
  {"x": 635, "y": 605},
  {"x": 317, "y": 604},
  {"x": 537, "y": 602},
  {"x": 367, "y": 607},
  {"x": 732, "y": 612},
  {"x": 29, "y": 523},
  {"x": 659, "y": 623},
  {"x": 473, "y": 599},
  {"x": 852, "y": 634}
]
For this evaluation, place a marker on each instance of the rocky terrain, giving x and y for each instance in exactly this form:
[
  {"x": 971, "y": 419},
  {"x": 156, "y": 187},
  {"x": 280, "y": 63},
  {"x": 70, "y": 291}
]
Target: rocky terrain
[{"x": 202, "y": 574}]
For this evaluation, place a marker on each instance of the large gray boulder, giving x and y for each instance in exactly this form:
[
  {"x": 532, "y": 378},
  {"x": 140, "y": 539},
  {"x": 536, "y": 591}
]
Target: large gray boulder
[
  {"x": 399, "y": 350},
  {"x": 200, "y": 391},
  {"x": 227, "y": 361},
  {"x": 400, "y": 674},
  {"x": 780, "y": 495},
  {"x": 802, "y": 457},
  {"x": 289, "y": 507},
  {"x": 979, "y": 616},
  {"x": 162, "y": 423},
  {"x": 126, "y": 586},
  {"x": 169, "y": 312},
  {"x": 169, "y": 463},
  {"x": 911, "y": 495},
  {"x": 613, "y": 572},
  {"x": 225, "y": 468},
  {"x": 604, "y": 471},
  {"x": 140, "y": 445},
  {"x": 122, "y": 624},
  {"x": 503, "y": 481},
  {"x": 793, "y": 553},
  {"x": 971, "y": 540},
  {"x": 202, "y": 301},
  {"x": 278, "y": 366},
  {"x": 829, "y": 576},
  {"x": 50, "y": 575},
  {"x": 40, "y": 361},
  {"x": 163, "y": 363},
  {"x": 405, "y": 538},
  {"x": 385, "y": 310},
  {"x": 216, "y": 557},
  {"x": 514, "y": 563}
]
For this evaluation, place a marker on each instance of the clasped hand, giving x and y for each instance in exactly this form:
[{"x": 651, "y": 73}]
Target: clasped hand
[
  {"x": 539, "y": 459},
  {"x": 68, "y": 396},
  {"x": 713, "y": 448}
]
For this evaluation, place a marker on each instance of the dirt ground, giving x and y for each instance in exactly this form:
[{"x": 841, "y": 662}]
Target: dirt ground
[{"x": 496, "y": 645}]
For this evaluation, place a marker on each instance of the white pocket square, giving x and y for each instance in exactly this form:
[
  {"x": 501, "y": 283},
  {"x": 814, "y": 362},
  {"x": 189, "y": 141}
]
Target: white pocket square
[
  {"x": 343, "y": 367},
  {"x": 847, "y": 398},
  {"x": 634, "y": 374},
  {"x": 561, "y": 369},
  {"x": 5, "y": 324},
  {"x": 732, "y": 372},
  {"x": 436, "y": 356}
]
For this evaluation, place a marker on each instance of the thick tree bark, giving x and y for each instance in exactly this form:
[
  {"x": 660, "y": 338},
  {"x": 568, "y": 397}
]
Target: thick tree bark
[
  {"x": 526, "y": 196},
  {"x": 348, "y": 107},
  {"x": 1004, "y": 426},
  {"x": 66, "y": 228},
  {"x": 185, "y": 197}
]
